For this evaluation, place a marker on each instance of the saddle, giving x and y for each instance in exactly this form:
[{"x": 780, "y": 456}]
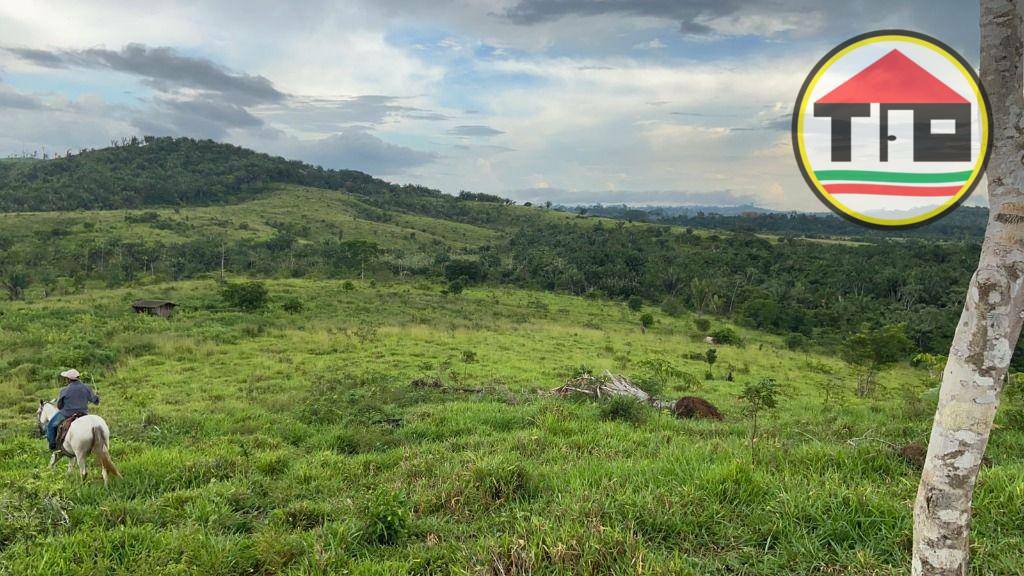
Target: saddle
[{"x": 63, "y": 427}]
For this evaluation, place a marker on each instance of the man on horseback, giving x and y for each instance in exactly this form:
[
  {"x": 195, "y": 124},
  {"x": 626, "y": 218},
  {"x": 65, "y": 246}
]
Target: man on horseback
[{"x": 74, "y": 398}]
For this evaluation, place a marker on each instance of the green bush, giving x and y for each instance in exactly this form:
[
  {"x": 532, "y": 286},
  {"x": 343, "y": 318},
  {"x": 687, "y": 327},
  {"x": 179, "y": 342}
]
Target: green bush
[
  {"x": 386, "y": 517},
  {"x": 455, "y": 287},
  {"x": 624, "y": 409},
  {"x": 463, "y": 269},
  {"x": 726, "y": 335},
  {"x": 653, "y": 375},
  {"x": 249, "y": 296},
  {"x": 292, "y": 305},
  {"x": 702, "y": 325},
  {"x": 647, "y": 320},
  {"x": 348, "y": 286}
]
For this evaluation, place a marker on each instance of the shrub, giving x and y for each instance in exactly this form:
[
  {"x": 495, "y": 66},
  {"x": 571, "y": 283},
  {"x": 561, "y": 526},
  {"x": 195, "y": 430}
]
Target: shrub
[
  {"x": 688, "y": 382},
  {"x": 348, "y": 286},
  {"x": 574, "y": 372},
  {"x": 455, "y": 287},
  {"x": 463, "y": 269},
  {"x": 654, "y": 374},
  {"x": 635, "y": 303},
  {"x": 386, "y": 517},
  {"x": 292, "y": 305},
  {"x": 468, "y": 357},
  {"x": 247, "y": 296},
  {"x": 624, "y": 409},
  {"x": 726, "y": 335},
  {"x": 702, "y": 324},
  {"x": 646, "y": 321}
]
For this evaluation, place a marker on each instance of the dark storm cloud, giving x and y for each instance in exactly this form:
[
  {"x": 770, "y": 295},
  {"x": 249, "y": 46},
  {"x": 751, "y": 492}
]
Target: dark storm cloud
[
  {"x": 43, "y": 58},
  {"x": 162, "y": 67},
  {"x": 475, "y": 130}
]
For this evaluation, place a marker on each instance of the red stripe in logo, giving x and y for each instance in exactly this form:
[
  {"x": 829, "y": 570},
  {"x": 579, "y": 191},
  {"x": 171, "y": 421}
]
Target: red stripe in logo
[{"x": 892, "y": 190}]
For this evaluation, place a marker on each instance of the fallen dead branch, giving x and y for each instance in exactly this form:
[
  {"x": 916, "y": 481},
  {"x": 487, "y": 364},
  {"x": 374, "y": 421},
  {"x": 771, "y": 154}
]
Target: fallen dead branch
[{"x": 607, "y": 384}]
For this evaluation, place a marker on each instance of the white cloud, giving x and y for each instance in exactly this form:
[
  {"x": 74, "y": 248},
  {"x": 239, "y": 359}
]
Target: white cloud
[{"x": 655, "y": 44}]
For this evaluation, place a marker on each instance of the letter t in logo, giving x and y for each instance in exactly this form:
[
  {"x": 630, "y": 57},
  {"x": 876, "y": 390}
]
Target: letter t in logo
[{"x": 841, "y": 132}]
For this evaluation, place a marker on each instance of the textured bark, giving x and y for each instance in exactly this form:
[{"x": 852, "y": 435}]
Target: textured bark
[{"x": 991, "y": 320}]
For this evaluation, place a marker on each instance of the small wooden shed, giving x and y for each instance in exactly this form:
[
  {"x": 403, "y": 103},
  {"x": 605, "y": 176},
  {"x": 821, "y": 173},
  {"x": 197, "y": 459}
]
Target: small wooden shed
[{"x": 162, "y": 308}]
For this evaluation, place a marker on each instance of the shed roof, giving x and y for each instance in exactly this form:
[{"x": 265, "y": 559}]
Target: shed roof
[{"x": 893, "y": 79}]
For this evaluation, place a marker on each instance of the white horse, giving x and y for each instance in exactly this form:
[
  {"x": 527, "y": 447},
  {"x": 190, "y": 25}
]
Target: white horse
[{"x": 87, "y": 435}]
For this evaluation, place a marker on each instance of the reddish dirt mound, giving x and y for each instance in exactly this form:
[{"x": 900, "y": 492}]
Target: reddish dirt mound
[
  {"x": 693, "y": 407},
  {"x": 914, "y": 454}
]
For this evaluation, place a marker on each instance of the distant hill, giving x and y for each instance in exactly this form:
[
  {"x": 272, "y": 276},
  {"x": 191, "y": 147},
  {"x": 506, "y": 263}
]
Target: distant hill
[
  {"x": 161, "y": 172},
  {"x": 655, "y": 212},
  {"x": 964, "y": 223}
]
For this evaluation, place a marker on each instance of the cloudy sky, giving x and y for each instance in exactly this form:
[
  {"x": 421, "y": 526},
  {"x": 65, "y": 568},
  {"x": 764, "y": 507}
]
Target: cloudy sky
[{"x": 575, "y": 101}]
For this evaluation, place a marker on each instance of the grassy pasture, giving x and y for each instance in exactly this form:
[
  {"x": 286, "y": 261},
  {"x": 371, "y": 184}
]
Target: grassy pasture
[
  {"x": 325, "y": 212},
  {"x": 295, "y": 443}
]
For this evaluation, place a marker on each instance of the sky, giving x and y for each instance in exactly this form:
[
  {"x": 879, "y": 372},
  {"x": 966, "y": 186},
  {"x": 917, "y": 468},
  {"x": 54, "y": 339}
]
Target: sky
[{"x": 669, "y": 102}]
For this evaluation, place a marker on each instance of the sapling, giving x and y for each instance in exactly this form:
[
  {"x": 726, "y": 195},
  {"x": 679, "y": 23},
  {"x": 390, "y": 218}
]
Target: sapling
[
  {"x": 710, "y": 357},
  {"x": 759, "y": 397}
]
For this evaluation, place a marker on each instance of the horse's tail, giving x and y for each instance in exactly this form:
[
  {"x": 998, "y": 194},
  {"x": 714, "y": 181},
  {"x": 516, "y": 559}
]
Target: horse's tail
[{"x": 99, "y": 447}]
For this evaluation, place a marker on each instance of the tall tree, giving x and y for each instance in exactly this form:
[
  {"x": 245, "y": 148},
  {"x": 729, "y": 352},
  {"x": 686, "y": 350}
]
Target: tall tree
[{"x": 991, "y": 320}]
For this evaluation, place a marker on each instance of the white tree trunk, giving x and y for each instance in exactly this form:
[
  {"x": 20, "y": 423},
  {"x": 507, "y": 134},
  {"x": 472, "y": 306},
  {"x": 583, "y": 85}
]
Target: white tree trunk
[{"x": 991, "y": 320}]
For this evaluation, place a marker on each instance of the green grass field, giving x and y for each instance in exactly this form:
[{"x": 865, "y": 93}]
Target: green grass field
[
  {"x": 295, "y": 443},
  {"x": 325, "y": 212}
]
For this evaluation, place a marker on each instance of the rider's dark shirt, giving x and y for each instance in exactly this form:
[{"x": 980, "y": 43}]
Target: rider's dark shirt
[{"x": 75, "y": 397}]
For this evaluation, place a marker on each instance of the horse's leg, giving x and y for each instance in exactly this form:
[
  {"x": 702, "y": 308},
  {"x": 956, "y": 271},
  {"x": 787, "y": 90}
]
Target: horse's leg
[
  {"x": 53, "y": 458},
  {"x": 103, "y": 471},
  {"x": 80, "y": 456},
  {"x": 71, "y": 465}
]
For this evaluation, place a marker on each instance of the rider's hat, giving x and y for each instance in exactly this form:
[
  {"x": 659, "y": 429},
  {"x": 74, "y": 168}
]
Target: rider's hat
[{"x": 70, "y": 374}]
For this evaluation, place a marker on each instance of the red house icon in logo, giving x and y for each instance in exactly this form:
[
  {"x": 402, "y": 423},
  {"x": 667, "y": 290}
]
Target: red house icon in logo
[{"x": 942, "y": 117}]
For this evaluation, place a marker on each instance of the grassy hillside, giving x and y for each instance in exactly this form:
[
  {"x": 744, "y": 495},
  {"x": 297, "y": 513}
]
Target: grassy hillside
[
  {"x": 321, "y": 213},
  {"x": 296, "y": 443}
]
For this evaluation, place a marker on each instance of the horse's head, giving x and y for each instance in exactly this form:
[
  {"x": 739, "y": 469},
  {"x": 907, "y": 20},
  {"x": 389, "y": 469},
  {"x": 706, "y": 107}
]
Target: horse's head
[{"x": 45, "y": 411}]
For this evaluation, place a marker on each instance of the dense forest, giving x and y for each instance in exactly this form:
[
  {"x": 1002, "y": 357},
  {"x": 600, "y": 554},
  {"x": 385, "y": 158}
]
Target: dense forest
[
  {"x": 964, "y": 223},
  {"x": 146, "y": 172},
  {"x": 816, "y": 292}
]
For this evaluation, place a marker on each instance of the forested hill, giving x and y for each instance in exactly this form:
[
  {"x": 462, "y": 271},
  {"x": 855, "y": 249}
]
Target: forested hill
[
  {"x": 155, "y": 172},
  {"x": 964, "y": 223}
]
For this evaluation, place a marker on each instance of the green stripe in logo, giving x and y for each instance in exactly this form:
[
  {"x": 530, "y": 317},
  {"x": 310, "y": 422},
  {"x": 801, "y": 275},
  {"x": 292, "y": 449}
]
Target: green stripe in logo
[{"x": 906, "y": 177}]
